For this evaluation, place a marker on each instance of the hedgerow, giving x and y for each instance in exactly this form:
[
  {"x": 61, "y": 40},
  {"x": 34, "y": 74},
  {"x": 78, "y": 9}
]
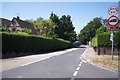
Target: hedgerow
[
  {"x": 103, "y": 39},
  {"x": 12, "y": 42}
]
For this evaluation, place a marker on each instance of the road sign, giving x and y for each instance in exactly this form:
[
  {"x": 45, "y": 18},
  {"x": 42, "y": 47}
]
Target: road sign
[
  {"x": 113, "y": 28},
  {"x": 113, "y": 10},
  {"x": 113, "y": 20}
]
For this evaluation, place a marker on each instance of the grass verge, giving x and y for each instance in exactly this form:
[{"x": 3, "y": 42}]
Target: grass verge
[{"x": 108, "y": 63}]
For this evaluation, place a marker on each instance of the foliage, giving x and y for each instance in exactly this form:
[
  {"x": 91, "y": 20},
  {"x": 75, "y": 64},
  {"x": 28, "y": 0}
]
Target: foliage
[
  {"x": 46, "y": 28},
  {"x": 94, "y": 41},
  {"x": 89, "y": 31},
  {"x": 117, "y": 39},
  {"x": 22, "y": 33},
  {"x": 32, "y": 20},
  {"x": 4, "y": 29},
  {"x": 64, "y": 28},
  {"x": 12, "y": 42},
  {"x": 104, "y": 40},
  {"x": 55, "y": 27},
  {"x": 100, "y": 30},
  {"x": 39, "y": 19},
  {"x": 26, "y": 30},
  {"x": 104, "y": 22}
]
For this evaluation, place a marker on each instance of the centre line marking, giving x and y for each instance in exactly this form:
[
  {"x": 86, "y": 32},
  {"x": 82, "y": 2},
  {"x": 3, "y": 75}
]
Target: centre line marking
[
  {"x": 80, "y": 64},
  {"x": 75, "y": 73},
  {"x": 77, "y": 68}
]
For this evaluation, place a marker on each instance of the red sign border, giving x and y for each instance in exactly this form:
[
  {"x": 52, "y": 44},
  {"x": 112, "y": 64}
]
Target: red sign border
[
  {"x": 111, "y": 17},
  {"x": 116, "y": 8}
]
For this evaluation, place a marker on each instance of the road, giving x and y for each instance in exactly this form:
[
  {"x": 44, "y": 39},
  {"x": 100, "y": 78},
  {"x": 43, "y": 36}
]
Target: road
[{"x": 68, "y": 65}]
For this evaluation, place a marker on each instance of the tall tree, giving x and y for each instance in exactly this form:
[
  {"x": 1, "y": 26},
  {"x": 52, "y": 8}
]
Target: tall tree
[
  {"x": 89, "y": 31},
  {"x": 64, "y": 28},
  {"x": 67, "y": 27}
]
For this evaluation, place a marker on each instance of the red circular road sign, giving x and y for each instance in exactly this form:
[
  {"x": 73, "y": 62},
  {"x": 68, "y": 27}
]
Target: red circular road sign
[
  {"x": 113, "y": 20},
  {"x": 113, "y": 10}
]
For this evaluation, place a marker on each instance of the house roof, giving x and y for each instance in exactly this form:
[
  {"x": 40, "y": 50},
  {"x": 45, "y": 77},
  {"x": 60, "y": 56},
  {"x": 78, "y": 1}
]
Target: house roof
[
  {"x": 23, "y": 24},
  {"x": 5, "y": 22},
  {"x": 18, "y": 22}
]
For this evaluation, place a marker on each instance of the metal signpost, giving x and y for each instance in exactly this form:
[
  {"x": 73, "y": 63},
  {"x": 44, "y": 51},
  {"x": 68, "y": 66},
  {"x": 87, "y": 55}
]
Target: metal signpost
[
  {"x": 112, "y": 39},
  {"x": 113, "y": 21}
]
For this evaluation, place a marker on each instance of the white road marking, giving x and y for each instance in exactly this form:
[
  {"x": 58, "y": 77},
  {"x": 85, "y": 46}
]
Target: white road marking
[
  {"x": 84, "y": 61},
  {"x": 19, "y": 77},
  {"x": 30, "y": 63},
  {"x": 49, "y": 55},
  {"x": 77, "y": 68},
  {"x": 69, "y": 50},
  {"x": 80, "y": 64},
  {"x": 80, "y": 57},
  {"x": 83, "y": 53},
  {"x": 103, "y": 68},
  {"x": 75, "y": 73}
]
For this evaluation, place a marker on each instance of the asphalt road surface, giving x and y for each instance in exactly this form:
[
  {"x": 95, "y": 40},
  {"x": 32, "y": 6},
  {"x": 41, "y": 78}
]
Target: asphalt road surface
[{"x": 67, "y": 65}]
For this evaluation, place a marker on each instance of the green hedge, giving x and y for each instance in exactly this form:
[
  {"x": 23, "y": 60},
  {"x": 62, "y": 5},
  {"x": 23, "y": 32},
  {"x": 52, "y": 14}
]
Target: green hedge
[
  {"x": 12, "y": 42},
  {"x": 104, "y": 40},
  {"x": 94, "y": 41}
]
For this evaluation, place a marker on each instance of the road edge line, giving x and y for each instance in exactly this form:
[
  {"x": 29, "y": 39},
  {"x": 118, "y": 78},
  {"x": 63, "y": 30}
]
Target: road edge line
[{"x": 102, "y": 67}]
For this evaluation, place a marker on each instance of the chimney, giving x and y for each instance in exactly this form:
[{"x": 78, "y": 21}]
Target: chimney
[{"x": 18, "y": 17}]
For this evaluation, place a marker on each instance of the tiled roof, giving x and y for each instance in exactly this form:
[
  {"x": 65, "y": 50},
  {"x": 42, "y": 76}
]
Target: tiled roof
[
  {"x": 18, "y": 22},
  {"x": 24, "y": 24},
  {"x": 5, "y": 22}
]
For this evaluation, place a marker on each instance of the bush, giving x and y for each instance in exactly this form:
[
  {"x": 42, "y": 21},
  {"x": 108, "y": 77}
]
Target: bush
[
  {"x": 26, "y": 30},
  {"x": 104, "y": 40},
  {"x": 101, "y": 29},
  {"x": 4, "y": 29},
  {"x": 117, "y": 39},
  {"x": 94, "y": 41},
  {"x": 12, "y": 42}
]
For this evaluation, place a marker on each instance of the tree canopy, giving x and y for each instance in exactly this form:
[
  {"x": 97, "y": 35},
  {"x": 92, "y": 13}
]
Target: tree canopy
[
  {"x": 46, "y": 27},
  {"x": 100, "y": 30},
  {"x": 64, "y": 28},
  {"x": 89, "y": 31}
]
